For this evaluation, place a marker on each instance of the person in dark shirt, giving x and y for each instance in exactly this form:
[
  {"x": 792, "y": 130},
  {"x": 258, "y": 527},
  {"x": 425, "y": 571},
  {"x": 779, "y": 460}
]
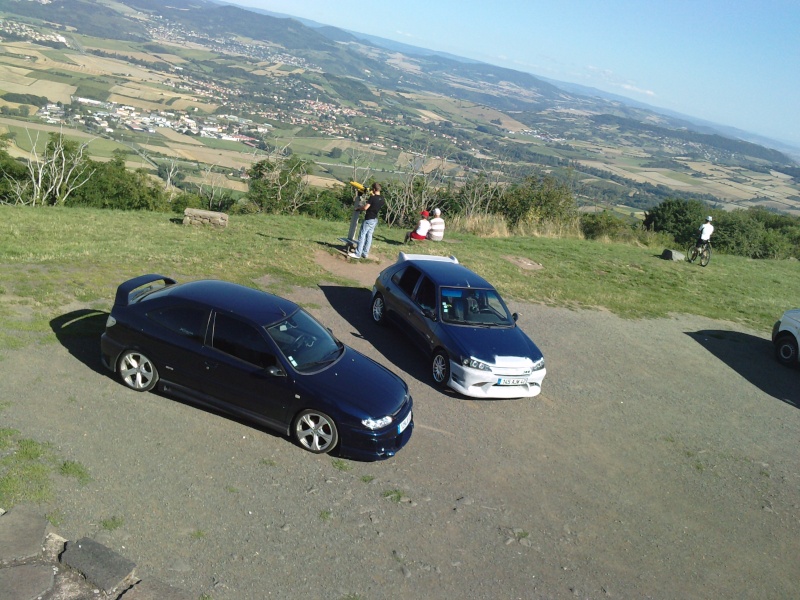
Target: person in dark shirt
[{"x": 371, "y": 208}]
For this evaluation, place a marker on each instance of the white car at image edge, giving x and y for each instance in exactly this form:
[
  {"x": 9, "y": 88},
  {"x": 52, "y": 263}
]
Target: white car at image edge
[{"x": 786, "y": 337}]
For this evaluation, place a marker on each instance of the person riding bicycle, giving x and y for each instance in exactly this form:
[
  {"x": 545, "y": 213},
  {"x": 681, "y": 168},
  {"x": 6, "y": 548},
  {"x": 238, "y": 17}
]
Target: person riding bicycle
[{"x": 706, "y": 229}]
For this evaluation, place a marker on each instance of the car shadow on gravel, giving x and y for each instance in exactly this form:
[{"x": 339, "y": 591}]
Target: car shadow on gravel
[
  {"x": 353, "y": 304},
  {"x": 752, "y": 358},
  {"x": 79, "y": 332}
]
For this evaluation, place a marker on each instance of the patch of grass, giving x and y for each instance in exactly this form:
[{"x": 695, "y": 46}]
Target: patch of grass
[
  {"x": 231, "y": 490},
  {"x": 268, "y": 462},
  {"x": 55, "y": 518},
  {"x": 70, "y": 468},
  {"x": 30, "y": 450},
  {"x": 112, "y": 523},
  {"x": 325, "y": 515},
  {"x": 367, "y": 478},
  {"x": 341, "y": 465},
  {"x": 393, "y": 495},
  {"x": 22, "y": 483},
  {"x": 6, "y": 437},
  {"x": 198, "y": 534}
]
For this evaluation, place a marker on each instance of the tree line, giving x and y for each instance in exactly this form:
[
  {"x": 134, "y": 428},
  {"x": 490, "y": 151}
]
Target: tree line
[{"x": 63, "y": 175}]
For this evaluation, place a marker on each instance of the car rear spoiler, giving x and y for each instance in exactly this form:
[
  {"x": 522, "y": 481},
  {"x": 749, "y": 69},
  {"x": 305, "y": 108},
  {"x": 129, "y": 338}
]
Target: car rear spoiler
[
  {"x": 403, "y": 256},
  {"x": 132, "y": 289}
]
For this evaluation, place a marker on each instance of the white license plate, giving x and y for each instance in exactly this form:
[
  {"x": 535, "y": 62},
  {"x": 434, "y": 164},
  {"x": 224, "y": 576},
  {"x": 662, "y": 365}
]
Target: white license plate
[
  {"x": 404, "y": 423},
  {"x": 512, "y": 381}
]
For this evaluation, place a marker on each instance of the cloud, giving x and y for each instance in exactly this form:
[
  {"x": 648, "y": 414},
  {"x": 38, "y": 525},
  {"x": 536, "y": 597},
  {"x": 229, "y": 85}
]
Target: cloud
[
  {"x": 636, "y": 90},
  {"x": 611, "y": 79}
]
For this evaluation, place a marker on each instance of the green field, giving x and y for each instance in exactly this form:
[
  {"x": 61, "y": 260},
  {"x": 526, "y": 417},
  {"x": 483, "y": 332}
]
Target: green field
[{"x": 52, "y": 258}]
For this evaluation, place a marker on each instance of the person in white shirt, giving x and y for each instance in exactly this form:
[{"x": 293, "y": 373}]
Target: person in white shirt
[
  {"x": 421, "y": 232},
  {"x": 706, "y": 229},
  {"x": 436, "y": 234}
]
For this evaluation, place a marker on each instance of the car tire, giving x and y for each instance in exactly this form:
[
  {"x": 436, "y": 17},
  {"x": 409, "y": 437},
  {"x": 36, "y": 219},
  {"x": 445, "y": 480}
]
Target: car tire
[
  {"x": 379, "y": 309},
  {"x": 440, "y": 368},
  {"x": 786, "y": 350},
  {"x": 315, "y": 431},
  {"x": 137, "y": 371}
]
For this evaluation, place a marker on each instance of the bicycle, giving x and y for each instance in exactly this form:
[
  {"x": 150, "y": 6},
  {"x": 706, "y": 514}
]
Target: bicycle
[{"x": 704, "y": 252}]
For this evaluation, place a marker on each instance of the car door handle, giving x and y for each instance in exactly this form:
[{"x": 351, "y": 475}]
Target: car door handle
[{"x": 210, "y": 366}]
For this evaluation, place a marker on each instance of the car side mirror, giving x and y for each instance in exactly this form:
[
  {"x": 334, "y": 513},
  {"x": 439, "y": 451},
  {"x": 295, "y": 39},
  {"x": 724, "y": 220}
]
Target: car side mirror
[
  {"x": 276, "y": 371},
  {"x": 515, "y": 316},
  {"x": 431, "y": 314}
]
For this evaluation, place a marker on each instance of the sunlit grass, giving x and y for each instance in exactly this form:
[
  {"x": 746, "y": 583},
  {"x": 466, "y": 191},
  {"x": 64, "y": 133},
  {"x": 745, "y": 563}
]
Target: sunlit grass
[{"x": 56, "y": 257}]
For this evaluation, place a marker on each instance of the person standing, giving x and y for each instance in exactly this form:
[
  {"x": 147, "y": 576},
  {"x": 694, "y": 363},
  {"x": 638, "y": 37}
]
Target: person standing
[
  {"x": 371, "y": 208},
  {"x": 436, "y": 233}
]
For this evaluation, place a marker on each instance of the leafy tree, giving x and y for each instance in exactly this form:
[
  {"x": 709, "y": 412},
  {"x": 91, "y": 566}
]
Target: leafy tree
[
  {"x": 679, "y": 218},
  {"x": 278, "y": 184},
  {"x": 538, "y": 199},
  {"x": 603, "y": 224},
  {"x": 112, "y": 185}
]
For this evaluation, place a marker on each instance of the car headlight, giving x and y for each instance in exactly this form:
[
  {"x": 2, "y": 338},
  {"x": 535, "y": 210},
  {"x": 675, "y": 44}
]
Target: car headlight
[
  {"x": 376, "y": 423},
  {"x": 538, "y": 365},
  {"x": 474, "y": 363}
]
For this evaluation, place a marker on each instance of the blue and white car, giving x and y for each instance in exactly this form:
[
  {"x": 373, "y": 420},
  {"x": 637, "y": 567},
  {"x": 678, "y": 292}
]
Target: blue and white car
[{"x": 461, "y": 324}]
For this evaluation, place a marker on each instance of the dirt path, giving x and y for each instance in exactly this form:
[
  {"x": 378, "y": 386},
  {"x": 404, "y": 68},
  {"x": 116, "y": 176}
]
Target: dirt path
[{"x": 660, "y": 461}]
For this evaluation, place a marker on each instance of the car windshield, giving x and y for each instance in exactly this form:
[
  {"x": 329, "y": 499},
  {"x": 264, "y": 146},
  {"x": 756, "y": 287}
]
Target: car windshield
[
  {"x": 306, "y": 344},
  {"x": 477, "y": 307}
]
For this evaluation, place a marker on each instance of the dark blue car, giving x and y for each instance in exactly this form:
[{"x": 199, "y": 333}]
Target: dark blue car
[
  {"x": 462, "y": 324},
  {"x": 259, "y": 357}
]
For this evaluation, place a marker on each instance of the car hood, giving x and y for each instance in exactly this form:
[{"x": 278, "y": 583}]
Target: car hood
[
  {"x": 367, "y": 387},
  {"x": 793, "y": 314},
  {"x": 495, "y": 345}
]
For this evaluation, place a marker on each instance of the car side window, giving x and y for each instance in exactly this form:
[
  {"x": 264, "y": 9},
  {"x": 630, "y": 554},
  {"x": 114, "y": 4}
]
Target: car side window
[
  {"x": 241, "y": 340},
  {"x": 406, "y": 279},
  {"x": 187, "y": 321},
  {"x": 426, "y": 294}
]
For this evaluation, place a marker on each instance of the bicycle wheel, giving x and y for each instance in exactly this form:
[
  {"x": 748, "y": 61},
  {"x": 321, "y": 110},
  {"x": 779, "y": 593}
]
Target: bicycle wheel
[
  {"x": 705, "y": 256},
  {"x": 691, "y": 253}
]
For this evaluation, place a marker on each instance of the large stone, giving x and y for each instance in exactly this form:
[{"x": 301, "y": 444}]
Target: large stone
[
  {"x": 22, "y": 531},
  {"x": 196, "y": 216},
  {"x": 673, "y": 255},
  {"x": 152, "y": 589},
  {"x": 24, "y": 582},
  {"x": 100, "y": 565}
]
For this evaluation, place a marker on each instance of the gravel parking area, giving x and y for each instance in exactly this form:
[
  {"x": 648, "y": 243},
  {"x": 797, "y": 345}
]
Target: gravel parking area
[{"x": 660, "y": 461}]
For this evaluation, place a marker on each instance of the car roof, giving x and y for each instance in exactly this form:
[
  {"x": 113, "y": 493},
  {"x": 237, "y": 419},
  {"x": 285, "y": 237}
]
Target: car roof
[
  {"x": 259, "y": 306},
  {"x": 445, "y": 272}
]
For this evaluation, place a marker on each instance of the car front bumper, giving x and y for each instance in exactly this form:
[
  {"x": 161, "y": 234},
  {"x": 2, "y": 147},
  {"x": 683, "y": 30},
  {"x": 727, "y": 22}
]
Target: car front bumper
[
  {"x": 485, "y": 384},
  {"x": 362, "y": 444}
]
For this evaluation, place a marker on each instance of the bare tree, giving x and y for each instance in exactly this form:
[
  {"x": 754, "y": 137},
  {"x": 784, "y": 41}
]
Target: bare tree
[
  {"x": 412, "y": 193},
  {"x": 479, "y": 192},
  {"x": 53, "y": 175},
  {"x": 211, "y": 187}
]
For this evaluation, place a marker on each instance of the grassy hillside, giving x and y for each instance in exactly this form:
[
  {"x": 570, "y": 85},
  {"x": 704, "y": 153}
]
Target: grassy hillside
[{"x": 54, "y": 260}]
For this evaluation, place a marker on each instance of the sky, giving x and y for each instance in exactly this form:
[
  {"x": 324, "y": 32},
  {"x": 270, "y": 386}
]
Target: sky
[{"x": 731, "y": 62}]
